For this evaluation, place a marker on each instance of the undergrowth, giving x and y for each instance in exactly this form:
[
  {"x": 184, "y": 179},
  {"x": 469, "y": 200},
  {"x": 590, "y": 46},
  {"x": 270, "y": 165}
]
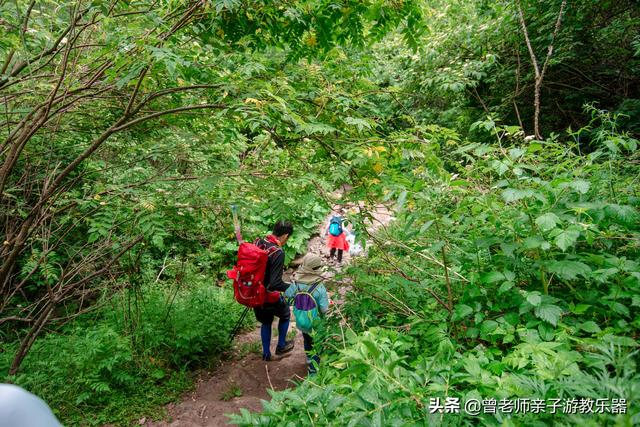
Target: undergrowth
[
  {"x": 511, "y": 273},
  {"x": 135, "y": 354}
]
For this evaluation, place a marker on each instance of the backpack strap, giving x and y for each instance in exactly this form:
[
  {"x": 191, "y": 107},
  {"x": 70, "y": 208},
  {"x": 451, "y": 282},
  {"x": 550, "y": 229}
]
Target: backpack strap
[
  {"x": 309, "y": 291},
  {"x": 270, "y": 250},
  {"x": 313, "y": 288}
]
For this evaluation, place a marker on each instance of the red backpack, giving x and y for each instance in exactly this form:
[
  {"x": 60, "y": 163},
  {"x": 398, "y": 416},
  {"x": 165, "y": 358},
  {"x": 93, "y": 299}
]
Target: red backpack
[{"x": 248, "y": 276}]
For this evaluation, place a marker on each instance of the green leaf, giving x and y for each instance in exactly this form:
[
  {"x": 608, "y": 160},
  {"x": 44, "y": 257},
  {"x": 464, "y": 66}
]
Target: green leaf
[
  {"x": 401, "y": 200},
  {"x": 622, "y": 214},
  {"x": 547, "y": 221},
  {"x": 426, "y": 226},
  {"x": 580, "y": 308},
  {"x": 516, "y": 153},
  {"x": 590, "y": 326},
  {"x": 514, "y": 194},
  {"x": 492, "y": 276},
  {"x": 546, "y": 332},
  {"x": 505, "y": 287},
  {"x": 567, "y": 238},
  {"x": 618, "y": 340},
  {"x": 472, "y": 333},
  {"x": 533, "y": 242},
  {"x": 580, "y": 185},
  {"x": 549, "y": 312},
  {"x": 569, "y": 270},
  {"x": 619, "y": 308},
  {"x": 500, "y": 167},
  {"x": 360, "y": 124},
  {"x": 488, "y": 326},
  {"x": 534, "y": 298},
  {"x": 313, "y": 128},
  {"x": 461, "y": 311},
  {"x": 534, "y": 147},
  {"x": 131, "y": 74},
  {"x": 158, "y": 374}
]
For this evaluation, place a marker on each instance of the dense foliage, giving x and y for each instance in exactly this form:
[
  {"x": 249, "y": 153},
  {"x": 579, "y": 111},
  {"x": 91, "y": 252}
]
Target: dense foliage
[
  {"x": 516, "y": 277},
  {"x": 511, "y": 270},
  {"x": 132, "y": 354}
]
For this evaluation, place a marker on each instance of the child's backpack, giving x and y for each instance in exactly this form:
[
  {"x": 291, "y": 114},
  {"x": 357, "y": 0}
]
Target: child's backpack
[
  {"x": 335, "y": 226},
  {"x": 305, "y": 308},
  {"x": 248, "y": 275}
]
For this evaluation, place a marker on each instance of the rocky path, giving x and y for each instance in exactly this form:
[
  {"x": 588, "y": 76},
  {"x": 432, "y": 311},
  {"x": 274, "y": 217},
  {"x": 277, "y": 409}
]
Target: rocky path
[{"x": 245, "y": 380}]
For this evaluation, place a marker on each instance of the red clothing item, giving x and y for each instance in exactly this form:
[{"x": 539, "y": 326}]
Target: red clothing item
[
  {"x": 338, "y": 242},
  {"x": 273, "y": 239}
]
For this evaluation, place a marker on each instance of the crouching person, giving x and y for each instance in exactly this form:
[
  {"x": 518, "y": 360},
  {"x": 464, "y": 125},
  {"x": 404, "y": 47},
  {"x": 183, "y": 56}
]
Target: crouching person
[{"x": 310, "y": 301}]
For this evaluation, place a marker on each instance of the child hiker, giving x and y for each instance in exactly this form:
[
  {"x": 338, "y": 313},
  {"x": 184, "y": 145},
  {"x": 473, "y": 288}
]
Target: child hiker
[
  {"x": 336, "y": 237},
  {"x": 310, "y": 301}
]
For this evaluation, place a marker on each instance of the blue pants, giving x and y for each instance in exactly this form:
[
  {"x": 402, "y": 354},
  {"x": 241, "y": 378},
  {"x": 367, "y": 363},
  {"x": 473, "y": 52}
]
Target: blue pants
[
  {"x": 265, "y": 316},
  {"x": 313, "y": 360}
]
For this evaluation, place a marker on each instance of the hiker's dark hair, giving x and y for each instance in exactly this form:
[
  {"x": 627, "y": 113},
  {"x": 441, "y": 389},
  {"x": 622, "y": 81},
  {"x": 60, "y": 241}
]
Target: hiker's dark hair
[{"x": 282, "y": 227}]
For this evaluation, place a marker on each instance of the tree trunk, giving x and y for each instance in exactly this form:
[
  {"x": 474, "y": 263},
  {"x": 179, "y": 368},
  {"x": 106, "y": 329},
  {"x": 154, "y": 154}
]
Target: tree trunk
[
  {"x": 539, "y": 72},
  {"x": 536, "y": 109},
  {"x": 30, "y": 338}
]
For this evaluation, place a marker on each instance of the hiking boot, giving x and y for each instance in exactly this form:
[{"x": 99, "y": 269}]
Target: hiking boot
[
  {"x": 270, "y": 358},
  {"x": 288, "y": 346}
]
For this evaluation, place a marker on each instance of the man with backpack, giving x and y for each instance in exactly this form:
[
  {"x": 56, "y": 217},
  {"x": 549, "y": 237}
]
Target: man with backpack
[
  {"x": 310, "y": 302},
  {"x": 273, "y": 283}
]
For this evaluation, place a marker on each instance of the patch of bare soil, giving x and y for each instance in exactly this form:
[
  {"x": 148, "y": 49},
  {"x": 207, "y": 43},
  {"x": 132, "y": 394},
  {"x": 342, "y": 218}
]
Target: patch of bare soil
[{"x": 239, "y": 383}]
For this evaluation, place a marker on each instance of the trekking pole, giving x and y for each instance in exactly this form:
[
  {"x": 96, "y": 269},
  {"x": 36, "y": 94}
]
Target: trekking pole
[
  {"x": 236, "y": 223},
  {"x": 234, "y": 332}
]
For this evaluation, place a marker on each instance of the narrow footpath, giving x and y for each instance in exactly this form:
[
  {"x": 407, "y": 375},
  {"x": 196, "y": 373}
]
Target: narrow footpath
[{"x": 245, "y": 380}]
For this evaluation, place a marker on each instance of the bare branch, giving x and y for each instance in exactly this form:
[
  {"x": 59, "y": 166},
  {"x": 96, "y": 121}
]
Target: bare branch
[
  {"x": 148, "y": 98},
  {"x": 539, "y": 75},
  {"x": 7, "y": 62},
  {"x": 15, "y": 319},
  {"x": 163, "y": 113},
  {"x": 553, "y": 38},
  {"x": 25, "y": 21},
  {"x": 534, "y": 60},
  {"x": 132, "y": 99}
]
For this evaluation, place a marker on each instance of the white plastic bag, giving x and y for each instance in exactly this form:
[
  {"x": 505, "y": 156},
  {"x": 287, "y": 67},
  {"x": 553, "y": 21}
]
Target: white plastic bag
[{"x": 355, "y": 249}]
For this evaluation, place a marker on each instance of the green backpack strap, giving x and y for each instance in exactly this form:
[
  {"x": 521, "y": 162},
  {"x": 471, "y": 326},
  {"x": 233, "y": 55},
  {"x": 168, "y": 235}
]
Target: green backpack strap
[{"x": 289, "y": 300}]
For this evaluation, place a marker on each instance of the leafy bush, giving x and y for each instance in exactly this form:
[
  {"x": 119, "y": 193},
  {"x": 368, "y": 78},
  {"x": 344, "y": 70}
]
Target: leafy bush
[
  {"x": 185, "y": 327},
  {"x": 122, "y": 365}
]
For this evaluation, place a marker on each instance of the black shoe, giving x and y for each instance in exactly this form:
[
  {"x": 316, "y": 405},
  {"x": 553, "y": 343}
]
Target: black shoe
[
  {"x": 288, "y": 346},
  {"x": 268, "y": 358}
]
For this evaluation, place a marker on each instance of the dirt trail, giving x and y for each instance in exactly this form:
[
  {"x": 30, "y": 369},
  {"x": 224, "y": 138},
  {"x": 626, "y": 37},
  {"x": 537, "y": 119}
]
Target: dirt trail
[{"x": 244, "y": 381}]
